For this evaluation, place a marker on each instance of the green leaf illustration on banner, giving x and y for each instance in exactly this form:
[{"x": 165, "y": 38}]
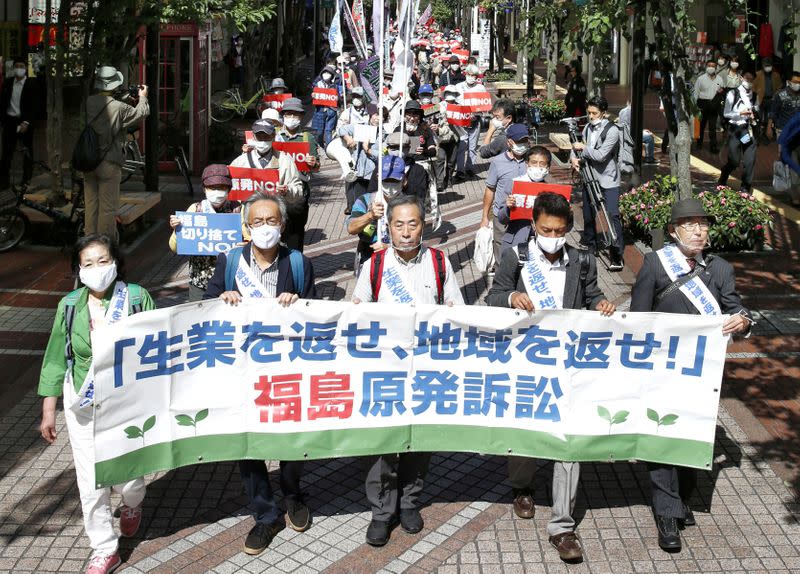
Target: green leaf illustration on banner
[
  {"x": 618, "y": 418},
  {"x": 136, "y": 432},
  {"x": 188, "y": 421},
  {"x": 664, "y": 421}
]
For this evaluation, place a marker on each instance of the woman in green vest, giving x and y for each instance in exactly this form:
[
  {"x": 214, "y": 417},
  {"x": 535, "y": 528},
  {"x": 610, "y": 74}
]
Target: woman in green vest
[{"x": 103, "y": 299}]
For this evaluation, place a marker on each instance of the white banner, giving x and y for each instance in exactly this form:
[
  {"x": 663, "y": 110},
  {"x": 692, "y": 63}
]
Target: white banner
[{"x": 206, "y": 381}]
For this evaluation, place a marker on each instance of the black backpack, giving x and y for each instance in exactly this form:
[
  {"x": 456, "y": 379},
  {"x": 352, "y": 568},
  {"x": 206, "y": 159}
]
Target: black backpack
[{"x": 87, "y": 155}]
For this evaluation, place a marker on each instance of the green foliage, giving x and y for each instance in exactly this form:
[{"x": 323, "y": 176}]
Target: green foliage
[
  {"x": 240, "y": 13},
  {"x": 551, "y": 110},
  {"x": 740, "y": 221}
]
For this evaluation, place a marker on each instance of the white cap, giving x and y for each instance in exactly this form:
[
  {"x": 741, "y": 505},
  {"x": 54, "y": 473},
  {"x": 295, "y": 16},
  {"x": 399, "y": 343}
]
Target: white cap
[
  {"x": 271, "y": 114},
  {"x": 473, "y": 70}
]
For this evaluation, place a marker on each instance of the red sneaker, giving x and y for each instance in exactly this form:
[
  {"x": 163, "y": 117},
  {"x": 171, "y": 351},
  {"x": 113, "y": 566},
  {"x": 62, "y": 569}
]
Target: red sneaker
[
  {"x": 130, "y": 519},
  {"x": 103, "y": 563}
]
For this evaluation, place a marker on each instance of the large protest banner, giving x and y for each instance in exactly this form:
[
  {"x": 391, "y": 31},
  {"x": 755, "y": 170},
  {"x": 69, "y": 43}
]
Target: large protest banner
[{"x": 204, "y": 382}]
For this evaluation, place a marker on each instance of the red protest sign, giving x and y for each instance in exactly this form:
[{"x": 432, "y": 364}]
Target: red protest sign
[
  {"x": 299, "y": 151},
  {"x": 459, "y": 115},
  {"x": 246, "y": 181},
  {"x": 463, "y": 55},
  {"x": 525, "y": 193},
  {"x": 325, "y": 97},
  {"x": 478, "y": 101},
  {"x": 276, "y": 100}
]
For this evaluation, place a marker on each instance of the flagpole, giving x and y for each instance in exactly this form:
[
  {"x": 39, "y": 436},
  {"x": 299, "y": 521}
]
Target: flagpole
[{"x": 382, "y": 224}]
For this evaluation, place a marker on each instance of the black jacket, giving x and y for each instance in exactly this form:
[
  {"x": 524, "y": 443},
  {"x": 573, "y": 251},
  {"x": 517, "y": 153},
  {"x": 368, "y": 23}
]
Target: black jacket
[
  {"x": 577, "y": 294},
  {"x": 30, "y": 103},
  {"x": 216, "y": 286},
  {"x": 652, "y": 279}
]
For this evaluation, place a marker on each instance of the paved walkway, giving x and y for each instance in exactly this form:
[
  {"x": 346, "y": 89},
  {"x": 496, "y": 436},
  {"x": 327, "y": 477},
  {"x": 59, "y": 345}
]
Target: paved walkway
[{"x": 196, "y": 517}]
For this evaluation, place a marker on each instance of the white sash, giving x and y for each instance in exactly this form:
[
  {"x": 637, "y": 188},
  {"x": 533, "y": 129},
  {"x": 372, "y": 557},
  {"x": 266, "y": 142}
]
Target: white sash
[
  {"x": 392, "y": 281},
  {"x": 247, "y": 283},
  {"x": 675, "y": 264},
  {"x": 536, "y": 281},
  {"x": 117, "y": 309}
]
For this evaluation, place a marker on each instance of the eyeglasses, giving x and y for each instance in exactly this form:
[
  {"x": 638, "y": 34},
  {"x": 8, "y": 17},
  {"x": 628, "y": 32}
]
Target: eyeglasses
[
  {"x": 695, "y": 226},
  {"x": 272, "y": 222}
]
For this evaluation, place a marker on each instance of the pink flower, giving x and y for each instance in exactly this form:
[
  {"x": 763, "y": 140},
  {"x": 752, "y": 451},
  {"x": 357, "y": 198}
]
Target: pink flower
[
  {"x": 722, "y": 201},
  {"x": 701, "y": 194},
  {"x": 742, "y": 194},
  {"x": 751, "y": 197},
  {"x": 642, "y": 206},
  {"x": 638, "y": 216},
  {"x": 732, "y": 224},
  {"x": 646, "y": 220},
  {"x": 758, "y": 227}
]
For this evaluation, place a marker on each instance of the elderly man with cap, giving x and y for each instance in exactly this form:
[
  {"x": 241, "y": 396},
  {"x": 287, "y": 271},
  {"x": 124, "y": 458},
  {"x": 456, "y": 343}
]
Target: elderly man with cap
[
  {"x": 419, "y": 275},
  {"x": 323, "y": 123},
  {"x": 216, "y": 185},
  {"x": 452, "y": 74},
  {"x": 399, "y": 145},
  {"x": 356, "y": 112},
  {"x": 502, "y": 171},
  {"x": 471, "y": 84},
  {"x": 261, "y": 155},
  {"x": 110, "y": 119},
  {"x": 273, "y": 116},
  {"x": 293, "y": 114},
  {"x": 682, "y": 278},
  {"x": 363, "y": 221}
]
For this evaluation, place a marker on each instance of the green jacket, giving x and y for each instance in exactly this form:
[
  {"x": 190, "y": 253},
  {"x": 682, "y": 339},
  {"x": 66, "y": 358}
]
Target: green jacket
[{"x": 54, "y": 366}]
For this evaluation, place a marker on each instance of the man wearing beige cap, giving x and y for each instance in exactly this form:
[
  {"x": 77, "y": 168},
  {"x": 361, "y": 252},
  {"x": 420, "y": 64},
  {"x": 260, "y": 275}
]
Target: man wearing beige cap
[{"x": 110, "y": 119}]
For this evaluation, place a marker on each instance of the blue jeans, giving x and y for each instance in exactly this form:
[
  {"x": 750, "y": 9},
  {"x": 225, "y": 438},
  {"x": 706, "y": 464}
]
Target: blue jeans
[
  {"x": 322, "y": 125},
  {"x": 256, "y": 484},
  {"x": 649, "y": 145}
]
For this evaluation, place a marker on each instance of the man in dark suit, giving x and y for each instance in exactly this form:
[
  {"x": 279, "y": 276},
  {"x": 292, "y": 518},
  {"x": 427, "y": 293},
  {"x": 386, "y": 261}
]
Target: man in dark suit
[
  {"x": 570, "y": 277},
  {"x": 19, "y": 108},
  {"x": 669, "y": 291},
  {"x": 264, "y": 268}
]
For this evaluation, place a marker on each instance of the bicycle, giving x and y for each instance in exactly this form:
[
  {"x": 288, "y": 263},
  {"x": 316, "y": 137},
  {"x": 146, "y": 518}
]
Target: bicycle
[
  {"x": 227, "y": 103},
  {"x": 590, "y": 182},
  {"x": 68, "y": 223}
]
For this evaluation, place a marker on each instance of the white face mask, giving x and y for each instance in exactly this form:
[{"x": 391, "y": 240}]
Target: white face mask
[
  {"x": 721, "y": 62},
  {"x": 392, "y": 188},
  {"x": 497, "y": 123},
  {"x": 734, "y": 65},
  {"x": 265, "y": 236},
  {"x": 216, "y": 197},
  {"x": 519, "y": 149},
  {"x": 291, "y": 123},
  {"x": 395, "y": 152},
  {"x": 327, "y": 76},
  {"x": 550, "y": 244},
  {"x": 407, "y": 249},
  {"x": 449, "y": 98},
  {"x": 767, "y": 69},
  {"x": 596, "y": 122},
  {"x": 711, "y": 71},
  {"x": 412, "y": 124},
  {"x": 98, "y": 279},
  {"x": 425, "y": 101},
  {"x": 538, "y": 173},
  {"x": 262, "y": 147},
  {"x": 746, "y": 85},
  {"x": 794, "y": 86},
  {"x": 471, "y": 80},
  {"x": 358, "y": 102},
  {"x": 19, "y": 72}
]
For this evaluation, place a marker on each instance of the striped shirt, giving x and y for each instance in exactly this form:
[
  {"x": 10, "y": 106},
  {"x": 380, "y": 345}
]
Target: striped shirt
[
  {"x": 418, "y": 276},
  {"x": 268, "y": 277}
]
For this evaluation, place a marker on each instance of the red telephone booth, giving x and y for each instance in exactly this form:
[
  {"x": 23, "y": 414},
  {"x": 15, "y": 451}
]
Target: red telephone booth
[{"x": 183, "y": 93}]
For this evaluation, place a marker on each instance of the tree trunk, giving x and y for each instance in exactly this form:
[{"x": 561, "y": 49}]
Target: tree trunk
[
  {"x": 552, "y": 58},
  {"x": 499, "y": 39},
  {"x": 54, "y": 57}
]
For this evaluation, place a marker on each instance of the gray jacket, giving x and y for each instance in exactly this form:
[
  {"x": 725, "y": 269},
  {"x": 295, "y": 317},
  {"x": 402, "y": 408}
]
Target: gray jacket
[
  {"x": 601, "y": 155},
  {"x": 577, "y": 294},
  {"x": 112, "y": 122}
]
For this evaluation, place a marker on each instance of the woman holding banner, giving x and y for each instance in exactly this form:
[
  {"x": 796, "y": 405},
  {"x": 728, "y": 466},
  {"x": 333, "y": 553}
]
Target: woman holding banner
[{"x": 104, "y": 298}]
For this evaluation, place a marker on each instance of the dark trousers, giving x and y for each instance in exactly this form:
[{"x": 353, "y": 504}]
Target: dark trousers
[
  {"x": 10, "y": 139},
  {"x": 739, "y": 153},
  {"x": 294, "y": 233},
  {"x": 394, "y": 482},
  {"x": 450, "y": 150},
  {"x": 709, "y": 111},
  {"x": 671, "y": 486},
  {"x": 355, "y": 190},
  {"x": 255, "y": 479},
  {"x": 589, "y": 236}
]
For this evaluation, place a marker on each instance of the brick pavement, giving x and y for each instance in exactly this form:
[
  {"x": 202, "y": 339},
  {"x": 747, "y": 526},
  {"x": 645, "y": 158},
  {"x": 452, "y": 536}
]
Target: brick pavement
[{"x": 195, "y": 517}]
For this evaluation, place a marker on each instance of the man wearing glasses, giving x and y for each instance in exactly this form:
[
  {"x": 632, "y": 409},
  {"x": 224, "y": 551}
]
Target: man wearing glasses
[{"x": 680, "y": 278}]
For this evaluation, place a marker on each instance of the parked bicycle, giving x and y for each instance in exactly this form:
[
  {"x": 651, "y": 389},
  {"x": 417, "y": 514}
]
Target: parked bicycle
[
  {"x": 68, "y": 221},
  {"x": 590, "y": 182},
  {"x": 227, "y": 103}
]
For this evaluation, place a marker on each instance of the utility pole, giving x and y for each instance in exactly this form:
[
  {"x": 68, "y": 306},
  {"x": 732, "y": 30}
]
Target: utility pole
[
  {"x": 151, "y": 123},
  {"x": 638, "y": 84}
]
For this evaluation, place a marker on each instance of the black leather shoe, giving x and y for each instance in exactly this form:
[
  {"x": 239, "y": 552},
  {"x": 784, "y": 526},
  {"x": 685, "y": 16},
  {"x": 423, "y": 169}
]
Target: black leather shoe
[
  {"x": 261, "y": 535},
  {"x": 298, "y": 516},
  {"x": 378, "y": 531},
  {"x": 688, "y": 517},
  {"x": 411, "y": 520},
  {"x": 669, "y": 538}
]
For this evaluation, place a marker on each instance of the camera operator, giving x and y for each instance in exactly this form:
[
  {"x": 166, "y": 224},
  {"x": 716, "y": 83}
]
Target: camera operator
[{"x": 110, "y": 118}]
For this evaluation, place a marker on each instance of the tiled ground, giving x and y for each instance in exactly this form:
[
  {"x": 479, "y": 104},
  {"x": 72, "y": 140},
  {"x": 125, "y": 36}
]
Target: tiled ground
[{"x": 195, "y": 517}]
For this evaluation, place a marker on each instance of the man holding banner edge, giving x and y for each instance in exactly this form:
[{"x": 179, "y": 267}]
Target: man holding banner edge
[{"x": 680, "y": 278}]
